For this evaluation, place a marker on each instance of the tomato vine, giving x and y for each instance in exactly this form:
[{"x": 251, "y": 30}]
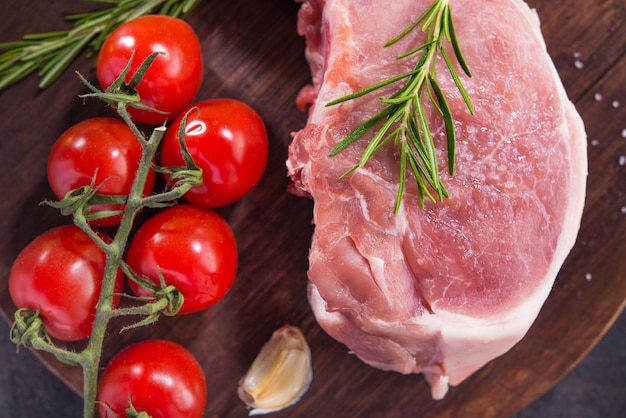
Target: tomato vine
[{"x": 28, "y": 328}]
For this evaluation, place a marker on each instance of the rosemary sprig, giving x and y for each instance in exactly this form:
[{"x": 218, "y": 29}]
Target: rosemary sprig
[
  {"x": 404, "y": 119},
  {"x": 51, "y": 53}
]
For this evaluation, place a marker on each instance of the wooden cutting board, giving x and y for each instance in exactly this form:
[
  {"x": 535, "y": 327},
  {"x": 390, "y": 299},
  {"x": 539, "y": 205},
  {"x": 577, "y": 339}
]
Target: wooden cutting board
[{"x": 253, "y": 53}]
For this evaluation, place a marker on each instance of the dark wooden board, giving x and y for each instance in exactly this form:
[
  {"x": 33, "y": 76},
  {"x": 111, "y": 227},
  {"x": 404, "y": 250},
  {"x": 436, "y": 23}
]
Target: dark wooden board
[{"x": 254, "y": 54}]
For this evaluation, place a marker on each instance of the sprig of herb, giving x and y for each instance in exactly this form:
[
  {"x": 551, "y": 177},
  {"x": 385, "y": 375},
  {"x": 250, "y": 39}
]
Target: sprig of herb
[
  {"x": 404, "y": 118},
  {"x": 49, "y": 54}
]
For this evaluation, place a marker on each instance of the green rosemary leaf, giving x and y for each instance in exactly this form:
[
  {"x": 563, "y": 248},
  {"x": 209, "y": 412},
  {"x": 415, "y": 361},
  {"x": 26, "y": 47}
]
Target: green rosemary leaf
[
  {"x": 379, "y": 139},
  {"x": 13, "y": 46},
  {"x": 372, "y": 88},
  {"x": 419, "y": 175},
  {"x": 33, "y": 37},
  {"x": 458, "y": 82},
  {"x": 433, "y": 99},
  {"x": 20, "y": 71},
  {"x": 176, "y": 8},
  {"x": 43, "y": 49},
  {"x": 416, "y": 50},
  {"x": 360, "y": 130},
  {"x": 431, "y": 16},
  {"x": 413, "y": 133},
  {"x": 448, "y": 120},
  {"x": 396, "y": 100},
  {"x": 445, "y": 20},
  {"x": 170, "y": 8},
  {"x": 78, "y": 18},
  {"x": 62, "y": 61},
  {"x": 103, "y": 20},
  {"x": 427, "y": 137},
  {"x": 189, "y": 5},
  {"x": 7, "y": 58},
  {"x": 456, "y": 47},
  {"x": 412, "y": 26},
  {"x": 402, "y": 180},
  {"x": 81, "y": 17}
]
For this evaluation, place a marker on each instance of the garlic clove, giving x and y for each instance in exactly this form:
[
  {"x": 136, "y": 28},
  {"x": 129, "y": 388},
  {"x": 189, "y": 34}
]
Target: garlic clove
[{"x": 280, "y": 374}]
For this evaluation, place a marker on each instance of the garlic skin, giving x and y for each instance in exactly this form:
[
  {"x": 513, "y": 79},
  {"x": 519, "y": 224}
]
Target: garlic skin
[{"x": 280, "y": 374}]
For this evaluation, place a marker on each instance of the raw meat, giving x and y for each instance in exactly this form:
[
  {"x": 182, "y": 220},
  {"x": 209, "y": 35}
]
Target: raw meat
[{"x": 443, "y": 290}]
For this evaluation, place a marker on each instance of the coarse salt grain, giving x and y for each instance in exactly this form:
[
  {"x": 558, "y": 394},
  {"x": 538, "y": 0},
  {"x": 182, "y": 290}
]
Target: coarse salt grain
[
  {"x": 622, "y": 160},
  {"x": 623, "y": 133},
  {"x": 595, "y": 142},
  {"x": 623, "y": 210},
  {"x": 579, "y": 64},
  {"x": 577, "y": 54},
  {"x": 615, "y": 104},
  {"x": 597, "y": 96},
  {"x": 588, "y": 277}
]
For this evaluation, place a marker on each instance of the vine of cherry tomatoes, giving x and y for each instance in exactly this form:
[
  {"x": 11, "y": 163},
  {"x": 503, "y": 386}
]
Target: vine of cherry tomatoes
[{"x": 190, "y": 246}]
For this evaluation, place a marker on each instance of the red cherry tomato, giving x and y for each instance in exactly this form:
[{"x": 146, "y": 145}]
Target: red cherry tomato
[
  {"x": 173, "y": 79},
  {"x": 159, "y": 377},
  {"x": 103, "y": 144},
  {"x": 195, "y": 250},
  {"x": 228, "y": 141},
  {"x": 60, "y": 272}
]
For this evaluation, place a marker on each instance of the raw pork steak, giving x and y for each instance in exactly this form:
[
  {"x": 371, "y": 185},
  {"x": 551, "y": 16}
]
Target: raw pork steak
[{"x": 442, "y": 290}]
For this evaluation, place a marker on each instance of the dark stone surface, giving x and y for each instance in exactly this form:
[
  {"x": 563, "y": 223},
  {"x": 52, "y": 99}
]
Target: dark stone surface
[{"x": 594, "y": 389}]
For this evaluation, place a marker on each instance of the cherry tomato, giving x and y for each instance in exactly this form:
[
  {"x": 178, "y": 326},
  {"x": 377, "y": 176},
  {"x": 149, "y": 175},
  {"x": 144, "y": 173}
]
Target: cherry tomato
[
  {"x": 195, "y": 250},
  {"x": 104, "y": 144},
  {"x": 159, "y": 377},
  {"x": 60, "y": 272},
  {"x": 173, "y": 79},
  {"x": 228, "y": 141}
]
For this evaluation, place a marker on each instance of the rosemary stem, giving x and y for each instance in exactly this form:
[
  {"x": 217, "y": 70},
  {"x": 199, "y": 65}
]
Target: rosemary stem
[{"x": 405, "y": 117}]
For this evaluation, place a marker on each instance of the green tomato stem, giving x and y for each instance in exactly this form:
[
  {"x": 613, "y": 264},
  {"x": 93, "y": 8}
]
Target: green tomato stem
[
  {"x": 93, "y": 351},
  {"x": 28, "y": 327}
]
